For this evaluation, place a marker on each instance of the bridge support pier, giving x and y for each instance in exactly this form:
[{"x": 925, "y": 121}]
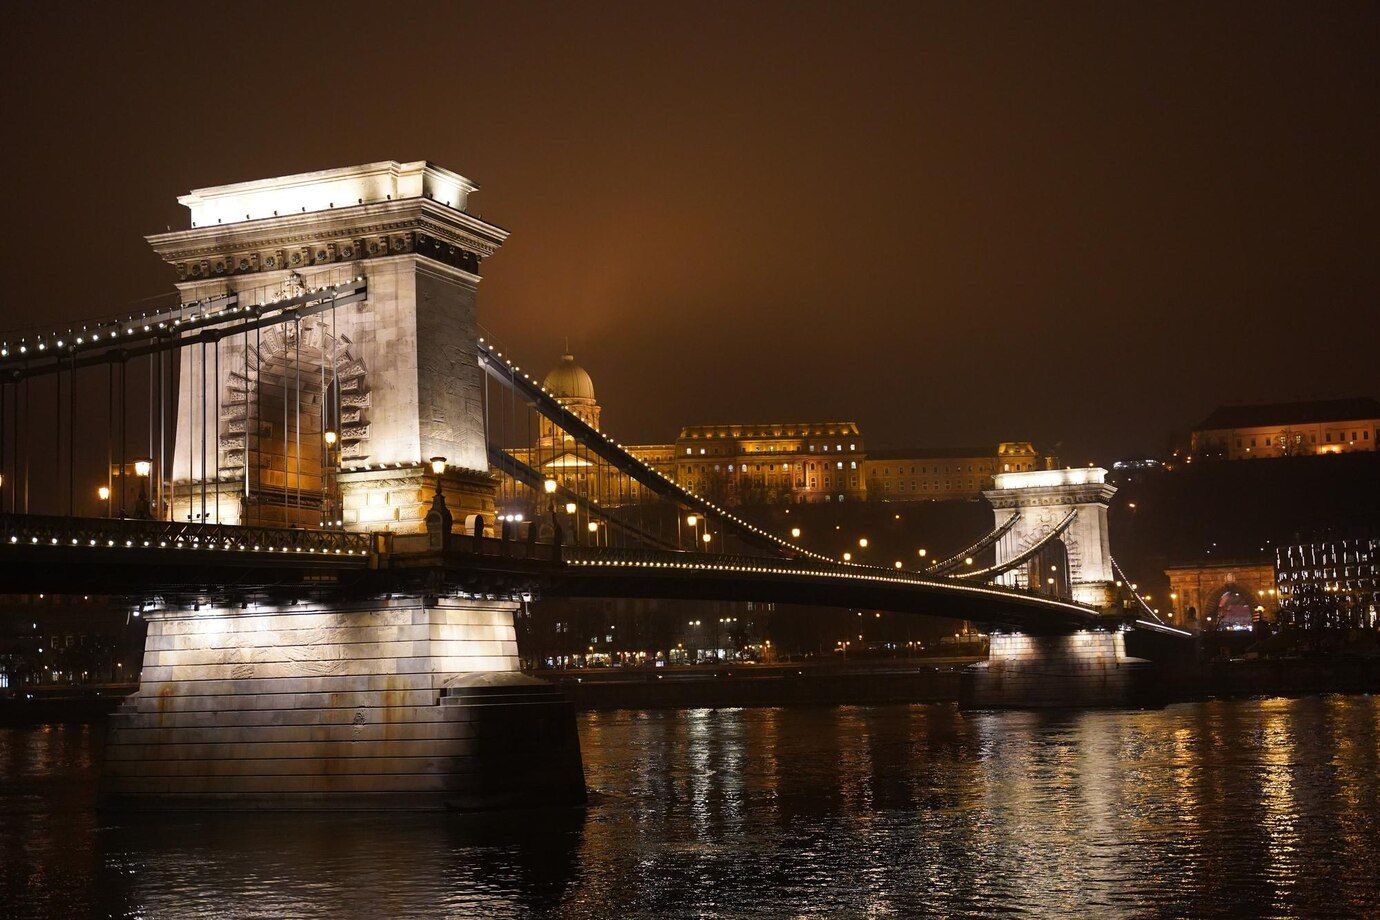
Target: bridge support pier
[
  {"x": 402, "y": 703},
  {"x": 1086, "y": 669}
]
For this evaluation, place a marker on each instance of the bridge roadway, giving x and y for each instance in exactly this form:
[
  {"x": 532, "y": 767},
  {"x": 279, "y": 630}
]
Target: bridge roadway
[{"x": 221, "y": 563}]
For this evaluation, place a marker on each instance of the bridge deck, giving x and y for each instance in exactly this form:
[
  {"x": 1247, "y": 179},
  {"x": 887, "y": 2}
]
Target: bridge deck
[{"x": 157, "y": 558}]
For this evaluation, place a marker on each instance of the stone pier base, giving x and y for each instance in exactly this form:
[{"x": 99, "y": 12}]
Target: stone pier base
[
  {"x": 1087, "y": 669},
  {"x": 393, "y": 704}
]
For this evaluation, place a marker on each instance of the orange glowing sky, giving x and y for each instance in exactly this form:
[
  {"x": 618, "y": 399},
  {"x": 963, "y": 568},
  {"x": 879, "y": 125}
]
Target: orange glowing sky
[{"x": 1085, "y": 224}]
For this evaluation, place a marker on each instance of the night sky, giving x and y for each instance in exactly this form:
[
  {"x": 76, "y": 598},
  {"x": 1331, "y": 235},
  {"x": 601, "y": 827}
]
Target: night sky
[{"x": 1083, "y": 224}]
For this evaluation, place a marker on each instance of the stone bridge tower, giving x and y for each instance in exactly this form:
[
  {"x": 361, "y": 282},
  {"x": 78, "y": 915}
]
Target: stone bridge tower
[
  {"x": 1043, "y": 499},
  {"x": 396, "y": 700},
  {"x": 1089, "y": 667},
  {"x": 349, "y": 403}
]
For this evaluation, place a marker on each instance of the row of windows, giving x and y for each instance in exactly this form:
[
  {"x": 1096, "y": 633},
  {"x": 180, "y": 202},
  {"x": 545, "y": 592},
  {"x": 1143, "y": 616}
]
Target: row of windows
[
  {"x": 946, "y": 468},
  {"x": 926, "y": 487},
  {"x": 771, "y": 449},
  {"x": 1271, "y": 440},
  {"x": 743, "y": 468}
]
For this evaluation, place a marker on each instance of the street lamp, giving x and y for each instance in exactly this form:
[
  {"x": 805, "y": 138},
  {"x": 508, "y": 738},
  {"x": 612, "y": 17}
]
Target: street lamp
[
  {"x": 549, "y": 486},
  {"x": 922, "y": 553},
  {"x": 862, "y": 542},
  {"x": 847, "y": 557},
  {"x": 331, "y": 437},
  {"x": 438, "y": 519},
  {"x": 795, "y": 533},
  {"x": 142, "y": 467},
  {"x": 438, "y": 466},
  {"x": 707, "y": 537},
  {"x": 569, "y": 507}
]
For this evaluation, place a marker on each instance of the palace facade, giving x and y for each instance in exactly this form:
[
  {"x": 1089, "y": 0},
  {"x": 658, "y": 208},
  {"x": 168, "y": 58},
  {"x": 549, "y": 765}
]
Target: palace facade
[
  {"x": 772, "y": 463},
  {"x": 1297, "y": 429}
]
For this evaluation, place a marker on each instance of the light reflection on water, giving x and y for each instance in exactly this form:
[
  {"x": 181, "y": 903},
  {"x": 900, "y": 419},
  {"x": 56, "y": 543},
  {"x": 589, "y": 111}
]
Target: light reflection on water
[{"x": 1240, "y": 808}]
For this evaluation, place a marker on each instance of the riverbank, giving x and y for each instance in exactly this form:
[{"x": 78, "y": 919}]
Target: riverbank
[
  {"x": 1292, "y": 676},
  {"x": 837, "y": 683},
  {"x": 930, "y": 680},
  {"x": 71, "y": 705}
]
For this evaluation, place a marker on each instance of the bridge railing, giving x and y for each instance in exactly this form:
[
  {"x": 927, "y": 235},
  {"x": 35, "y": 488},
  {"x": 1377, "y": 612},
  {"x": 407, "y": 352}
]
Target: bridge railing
[
  {"x": 675, "y": 561},
  {"x": 135, "y": 533}
]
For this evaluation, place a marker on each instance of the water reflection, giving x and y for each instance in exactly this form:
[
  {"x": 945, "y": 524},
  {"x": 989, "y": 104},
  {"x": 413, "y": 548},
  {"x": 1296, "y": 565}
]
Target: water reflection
[{"x": 1244, "y": 808}]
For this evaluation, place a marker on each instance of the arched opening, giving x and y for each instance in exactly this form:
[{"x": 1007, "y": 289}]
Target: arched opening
[
  {"x": 1229, "y": 609},
  {"x": 1047, "y": 572},
  {"x": 295, "y": 411}
]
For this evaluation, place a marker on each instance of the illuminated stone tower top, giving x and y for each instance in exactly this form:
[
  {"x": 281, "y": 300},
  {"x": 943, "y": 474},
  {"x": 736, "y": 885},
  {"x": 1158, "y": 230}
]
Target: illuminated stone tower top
[{"x": 407, "y": 357}]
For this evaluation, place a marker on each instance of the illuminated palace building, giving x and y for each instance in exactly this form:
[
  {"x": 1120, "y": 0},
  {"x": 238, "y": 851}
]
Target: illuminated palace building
[
  {"x": 774, "y": 463},
  {"x": 1298, "y": 429}
]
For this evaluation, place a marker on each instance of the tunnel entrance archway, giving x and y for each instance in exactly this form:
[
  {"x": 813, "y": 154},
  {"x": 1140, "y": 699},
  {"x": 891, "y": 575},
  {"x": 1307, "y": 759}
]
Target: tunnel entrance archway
[{"x": 1230, "y": 609}]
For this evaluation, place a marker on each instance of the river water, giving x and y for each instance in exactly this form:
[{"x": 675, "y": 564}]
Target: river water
[{"x": 1245, "y": 808}]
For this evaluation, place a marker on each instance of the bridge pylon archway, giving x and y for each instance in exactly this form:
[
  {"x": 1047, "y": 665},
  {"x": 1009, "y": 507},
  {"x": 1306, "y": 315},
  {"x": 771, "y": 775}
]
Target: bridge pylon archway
[
  {"x": 402, "y": 367},
  {"x": 1042, "y": 501}
]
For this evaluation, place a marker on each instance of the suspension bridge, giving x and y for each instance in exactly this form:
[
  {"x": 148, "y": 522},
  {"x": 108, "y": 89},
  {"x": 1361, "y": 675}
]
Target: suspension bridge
[{"x": 327, "y": 494}]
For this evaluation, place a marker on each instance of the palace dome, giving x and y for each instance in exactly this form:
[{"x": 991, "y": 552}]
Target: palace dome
[{"x": 569, "y": 380}]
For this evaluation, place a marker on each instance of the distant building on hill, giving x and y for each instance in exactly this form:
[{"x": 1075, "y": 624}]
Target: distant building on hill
[
  {"x": 771, "y": 462},
  {"x": 1326, "y": 426}
]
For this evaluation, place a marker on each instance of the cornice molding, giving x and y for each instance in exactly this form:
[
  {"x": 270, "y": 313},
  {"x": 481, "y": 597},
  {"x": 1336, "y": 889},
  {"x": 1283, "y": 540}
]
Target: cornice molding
[{"x": 415, "y": 226}]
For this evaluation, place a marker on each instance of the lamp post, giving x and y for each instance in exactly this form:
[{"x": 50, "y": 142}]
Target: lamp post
[
  {"x": 328, "y": 489},
  {"x": 438, "y": 519},
  {"x": 142, "y": 467},
  {"x": 103, "y": 493}
]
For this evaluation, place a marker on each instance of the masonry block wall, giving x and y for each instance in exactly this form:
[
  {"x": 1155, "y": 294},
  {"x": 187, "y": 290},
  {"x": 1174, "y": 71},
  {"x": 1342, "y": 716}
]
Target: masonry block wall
[
  {"x": 398, "y": 703},
  {"x": 1089, "y": 668}
]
